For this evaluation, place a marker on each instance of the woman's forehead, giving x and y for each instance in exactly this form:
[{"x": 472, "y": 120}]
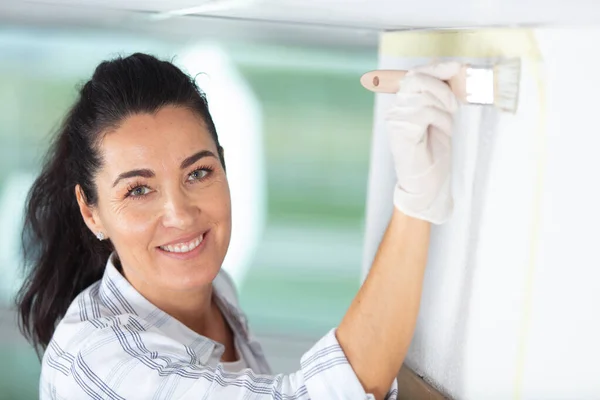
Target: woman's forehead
[{"x": 171, "y": 134}]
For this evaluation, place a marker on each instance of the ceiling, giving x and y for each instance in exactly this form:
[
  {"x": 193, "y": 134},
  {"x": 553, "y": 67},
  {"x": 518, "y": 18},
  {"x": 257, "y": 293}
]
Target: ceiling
[{"x": 343, "y": 22}]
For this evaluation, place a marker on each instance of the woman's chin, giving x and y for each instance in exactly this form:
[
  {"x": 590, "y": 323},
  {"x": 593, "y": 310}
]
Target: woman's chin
[{"x": 185, "y": 276}]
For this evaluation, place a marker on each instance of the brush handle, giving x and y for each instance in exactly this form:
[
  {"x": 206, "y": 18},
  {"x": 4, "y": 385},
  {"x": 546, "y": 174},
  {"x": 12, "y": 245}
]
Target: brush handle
[{"x": 388, "y": 81}]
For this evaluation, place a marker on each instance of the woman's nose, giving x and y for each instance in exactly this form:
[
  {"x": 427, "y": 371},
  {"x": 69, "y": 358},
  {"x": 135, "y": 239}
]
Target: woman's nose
[{"x": 179, "y": 210}]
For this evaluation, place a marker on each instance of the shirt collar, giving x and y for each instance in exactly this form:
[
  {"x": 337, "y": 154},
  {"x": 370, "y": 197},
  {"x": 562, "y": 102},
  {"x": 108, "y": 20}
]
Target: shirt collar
[{"x": 115, "y": 289}]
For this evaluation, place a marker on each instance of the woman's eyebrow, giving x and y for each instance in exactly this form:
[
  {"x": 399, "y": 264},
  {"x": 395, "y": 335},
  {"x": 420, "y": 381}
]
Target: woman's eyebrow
[
  {"x": 193, "y": 158},
  {"x": 145, "y": 173}
]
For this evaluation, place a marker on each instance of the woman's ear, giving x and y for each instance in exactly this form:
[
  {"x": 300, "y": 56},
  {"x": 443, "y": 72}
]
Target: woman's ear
[{"x": 89, "y": 214}]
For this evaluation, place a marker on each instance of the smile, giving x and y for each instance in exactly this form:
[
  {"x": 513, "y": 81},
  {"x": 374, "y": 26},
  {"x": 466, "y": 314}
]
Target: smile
[{"x": 184, "y": 247}]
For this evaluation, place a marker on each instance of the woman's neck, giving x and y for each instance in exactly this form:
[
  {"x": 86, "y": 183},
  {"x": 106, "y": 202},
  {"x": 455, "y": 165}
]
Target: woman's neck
[{"x": 196, "y": 309}]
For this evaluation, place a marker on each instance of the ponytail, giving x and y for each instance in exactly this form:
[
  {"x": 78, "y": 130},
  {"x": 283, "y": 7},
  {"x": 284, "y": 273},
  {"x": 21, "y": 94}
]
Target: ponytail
[{"x": 62, "y": 257}]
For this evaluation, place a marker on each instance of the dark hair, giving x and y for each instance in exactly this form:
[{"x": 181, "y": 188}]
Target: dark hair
[{"x": 62, "y": 257}]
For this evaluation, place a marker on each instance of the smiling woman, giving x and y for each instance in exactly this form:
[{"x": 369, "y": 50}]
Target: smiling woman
[
  {"x": 129, "y": 222},
  {"x": 163, "y": 201},
  {"x": 115, "y": 142}
]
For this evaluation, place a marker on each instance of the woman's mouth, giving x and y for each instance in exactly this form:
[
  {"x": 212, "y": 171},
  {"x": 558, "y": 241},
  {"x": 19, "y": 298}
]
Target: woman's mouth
[{"x": 183, "y": 247}]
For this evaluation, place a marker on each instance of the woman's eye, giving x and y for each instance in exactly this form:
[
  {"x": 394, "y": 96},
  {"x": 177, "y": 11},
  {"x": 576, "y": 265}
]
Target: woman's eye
[
  {"x": 198, "y": 175},
  {"x": 139, "y": 191}
]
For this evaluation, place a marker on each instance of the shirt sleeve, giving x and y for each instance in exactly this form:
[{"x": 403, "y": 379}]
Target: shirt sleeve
[{"x": 120, "y": 362}]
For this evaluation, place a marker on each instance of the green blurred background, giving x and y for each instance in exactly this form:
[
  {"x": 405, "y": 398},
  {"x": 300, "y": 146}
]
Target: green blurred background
[{"x": 317, "y": 122}]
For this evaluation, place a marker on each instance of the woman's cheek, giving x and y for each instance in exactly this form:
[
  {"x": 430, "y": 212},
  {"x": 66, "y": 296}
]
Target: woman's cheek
[{"x": 133, "y": 221}]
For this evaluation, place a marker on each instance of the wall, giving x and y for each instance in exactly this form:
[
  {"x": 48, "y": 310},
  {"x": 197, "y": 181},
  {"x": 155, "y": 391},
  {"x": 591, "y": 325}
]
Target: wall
[{"x": 510, "y": 302}]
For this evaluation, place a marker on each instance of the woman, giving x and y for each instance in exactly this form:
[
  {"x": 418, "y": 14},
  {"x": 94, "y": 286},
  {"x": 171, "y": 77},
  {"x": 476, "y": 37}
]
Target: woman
[{"x": 129, "y": 222}]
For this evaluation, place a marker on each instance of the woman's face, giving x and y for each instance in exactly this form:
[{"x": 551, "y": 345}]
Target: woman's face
[{"x": 163, "y": 201}]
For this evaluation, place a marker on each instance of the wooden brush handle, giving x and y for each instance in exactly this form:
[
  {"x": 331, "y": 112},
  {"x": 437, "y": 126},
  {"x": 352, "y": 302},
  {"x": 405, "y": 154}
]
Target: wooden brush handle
[{"x": 388, "y": 81}]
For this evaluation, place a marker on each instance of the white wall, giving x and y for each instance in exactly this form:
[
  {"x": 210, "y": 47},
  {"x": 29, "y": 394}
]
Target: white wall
[{"x": 510, "y": 307}]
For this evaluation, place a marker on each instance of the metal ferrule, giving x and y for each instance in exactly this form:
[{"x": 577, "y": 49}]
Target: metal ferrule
[{"x": 480, "y": 85}]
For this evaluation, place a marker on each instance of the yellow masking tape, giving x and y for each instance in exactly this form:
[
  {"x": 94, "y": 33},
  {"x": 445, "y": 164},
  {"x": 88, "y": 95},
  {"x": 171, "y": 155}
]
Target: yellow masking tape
[
  {"x": 535, "y": 230},
  {"x": 479, "y": 43},
  {"x": 490, "y": 43}
]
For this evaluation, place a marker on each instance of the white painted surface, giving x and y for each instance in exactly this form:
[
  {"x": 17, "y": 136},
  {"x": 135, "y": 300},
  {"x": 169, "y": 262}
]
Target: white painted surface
[
  {"x": 396, "y": 14},
  {"x": 565, "y": 326},
  {"x": 318, "y": 22},
  {"x": 520, "y": 319},
  {"x": 379, "y": 14},
  {"x": 125, "y": 19}
]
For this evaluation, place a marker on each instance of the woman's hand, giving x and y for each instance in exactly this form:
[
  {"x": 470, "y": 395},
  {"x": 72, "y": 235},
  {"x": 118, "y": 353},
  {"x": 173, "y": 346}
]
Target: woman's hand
[{"x": 419, "y": 125}]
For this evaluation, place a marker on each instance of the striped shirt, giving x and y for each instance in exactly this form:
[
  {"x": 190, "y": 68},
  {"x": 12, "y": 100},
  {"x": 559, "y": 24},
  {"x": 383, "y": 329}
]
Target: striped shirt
[{"x": 114, "y": 344}]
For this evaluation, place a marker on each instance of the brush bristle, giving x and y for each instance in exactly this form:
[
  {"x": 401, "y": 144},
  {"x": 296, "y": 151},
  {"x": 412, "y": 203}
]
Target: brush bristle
[{"x": 507, "y": 77}]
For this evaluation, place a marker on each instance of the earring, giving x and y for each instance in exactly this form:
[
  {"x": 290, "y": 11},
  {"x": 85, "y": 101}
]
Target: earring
[{"x": 100, "y": 236}]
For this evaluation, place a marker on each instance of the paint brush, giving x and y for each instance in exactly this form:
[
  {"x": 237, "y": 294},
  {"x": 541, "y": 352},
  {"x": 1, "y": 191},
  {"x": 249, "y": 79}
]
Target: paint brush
[{"x": 496, "y": 85}]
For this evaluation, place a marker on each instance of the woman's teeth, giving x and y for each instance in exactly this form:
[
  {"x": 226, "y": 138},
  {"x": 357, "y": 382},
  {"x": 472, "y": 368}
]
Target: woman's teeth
[{"x": 183, "y": 247}]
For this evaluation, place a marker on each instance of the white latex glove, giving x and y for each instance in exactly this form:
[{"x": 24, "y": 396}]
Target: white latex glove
[{"x": 419, "y": 126}]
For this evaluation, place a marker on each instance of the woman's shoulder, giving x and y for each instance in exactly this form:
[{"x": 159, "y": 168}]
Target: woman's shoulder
[
  {"x": 89, "y": 319},
  {"x": 96, "y": 349},
  {"x": 90, "y": 315},
  {"x": 89, "y": 305}
]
